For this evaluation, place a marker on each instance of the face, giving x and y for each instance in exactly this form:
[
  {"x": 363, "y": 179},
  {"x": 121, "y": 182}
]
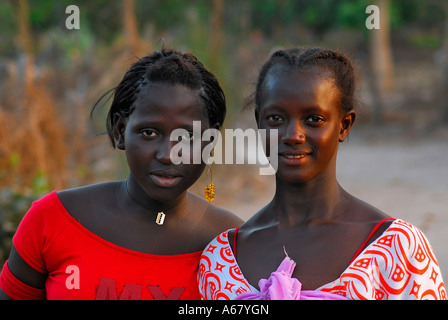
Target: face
[
  {"x": 145, "y": 137},
  {"x": 304, "y": 107}
]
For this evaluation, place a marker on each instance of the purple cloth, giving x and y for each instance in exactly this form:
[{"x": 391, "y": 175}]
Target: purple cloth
[{"x": 281, "y": 286}]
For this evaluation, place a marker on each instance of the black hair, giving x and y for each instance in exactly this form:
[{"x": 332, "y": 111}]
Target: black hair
[
  {"x": 170, "y": 67},
  {"x": 338, "y": 64}
]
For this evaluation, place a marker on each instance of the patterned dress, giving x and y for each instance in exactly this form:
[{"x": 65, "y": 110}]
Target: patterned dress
[{"x": 400, "y": 264}]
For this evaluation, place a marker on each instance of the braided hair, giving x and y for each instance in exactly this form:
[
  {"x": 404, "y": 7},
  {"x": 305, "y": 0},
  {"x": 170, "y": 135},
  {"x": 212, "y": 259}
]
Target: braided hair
[
  {"x": 169, "y": 67},
  {"x": 337, "y": 64}
]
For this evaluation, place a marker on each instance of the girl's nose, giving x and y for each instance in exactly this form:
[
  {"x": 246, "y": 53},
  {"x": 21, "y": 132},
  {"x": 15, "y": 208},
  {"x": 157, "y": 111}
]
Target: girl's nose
[
  {"x": 294, "y": 134},
  {"x": 163, "y": 154}
]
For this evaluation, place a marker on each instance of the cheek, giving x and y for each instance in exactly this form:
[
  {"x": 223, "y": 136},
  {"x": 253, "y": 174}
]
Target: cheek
[
  {"x": 326, "y": 142},
  {"x": 194, "y": 153},
  {"x": 139, "y": 156},
  {"x": 191, "y": 173},
  {"x": 135, "y": 161}
]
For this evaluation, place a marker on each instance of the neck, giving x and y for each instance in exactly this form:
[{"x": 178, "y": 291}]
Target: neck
[
  {"x": 303, "y": 203},
  {"x": 136, "y": 197}
]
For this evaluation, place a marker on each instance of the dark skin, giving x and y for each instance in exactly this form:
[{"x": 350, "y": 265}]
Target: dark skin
[
  {"x": 320, "y": 225},
  {"x": 124, "y": 212}
]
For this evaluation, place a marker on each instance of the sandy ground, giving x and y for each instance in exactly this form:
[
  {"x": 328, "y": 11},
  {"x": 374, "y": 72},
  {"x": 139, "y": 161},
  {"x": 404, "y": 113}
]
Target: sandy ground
[{"x": 406, "y": 178}]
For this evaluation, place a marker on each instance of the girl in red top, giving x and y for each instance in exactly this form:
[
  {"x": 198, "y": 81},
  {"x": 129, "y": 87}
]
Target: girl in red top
[{"x": 140, "y": 238}]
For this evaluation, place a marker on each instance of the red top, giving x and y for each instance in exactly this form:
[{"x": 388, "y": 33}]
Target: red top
[{"x": 81, "y": 265}]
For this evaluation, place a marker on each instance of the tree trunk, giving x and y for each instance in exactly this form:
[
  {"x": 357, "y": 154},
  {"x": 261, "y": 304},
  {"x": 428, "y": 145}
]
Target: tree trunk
[
  {"x": 381, "y": 49},
  {"x": 216, "y": 34},
  {"x": 25, "y": 41},
  {"x": 381, "y": 59},
  {"x": 443, "y": 67},
  {"x": 130, "y": 28}
]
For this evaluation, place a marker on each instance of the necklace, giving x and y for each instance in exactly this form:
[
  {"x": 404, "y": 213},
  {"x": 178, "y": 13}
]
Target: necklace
[
  {"x": 160, "y": 215},
  {"x": 160, "y": 218}
]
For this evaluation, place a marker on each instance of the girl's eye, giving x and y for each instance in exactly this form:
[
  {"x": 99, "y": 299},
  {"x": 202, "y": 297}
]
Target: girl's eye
[
  {"x": 314, "y": 119},
  {"x": 148, "y": 133},
  {"x": 275, "y": 118}
]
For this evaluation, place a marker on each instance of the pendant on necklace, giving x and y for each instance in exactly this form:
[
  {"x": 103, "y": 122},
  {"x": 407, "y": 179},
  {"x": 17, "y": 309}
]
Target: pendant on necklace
[{"x": 160, "y": 218}]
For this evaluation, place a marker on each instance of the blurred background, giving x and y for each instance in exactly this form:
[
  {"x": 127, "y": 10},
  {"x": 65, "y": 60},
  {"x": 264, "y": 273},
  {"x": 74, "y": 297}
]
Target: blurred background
[{"x": 50, "y": 78}]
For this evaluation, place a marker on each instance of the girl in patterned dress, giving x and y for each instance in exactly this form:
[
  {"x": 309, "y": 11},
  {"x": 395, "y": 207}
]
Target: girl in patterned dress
[{"x": 314, "y": 240}]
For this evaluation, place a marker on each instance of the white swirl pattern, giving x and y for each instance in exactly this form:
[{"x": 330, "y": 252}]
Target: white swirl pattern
[{"x": 400, "y": 264}]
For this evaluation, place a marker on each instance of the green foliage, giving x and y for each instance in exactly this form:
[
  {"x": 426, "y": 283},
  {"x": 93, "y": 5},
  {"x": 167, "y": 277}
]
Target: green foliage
[
  {"x": 321, "y": 15},
  {"x": 8, "y": 28},
  {"x": 13, "y": 206},
  {"x": 103, "y": 18},
  {"x": 426, "y": 41},
  {"x": 348, "y": 13}
]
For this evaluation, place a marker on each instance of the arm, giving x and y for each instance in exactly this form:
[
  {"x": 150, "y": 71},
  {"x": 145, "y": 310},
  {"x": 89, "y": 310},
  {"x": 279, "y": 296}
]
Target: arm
[
  {"x": 24, "y": 274},
  {"x": 4, "y": 296},
  {"x": 21, "y": 279}
]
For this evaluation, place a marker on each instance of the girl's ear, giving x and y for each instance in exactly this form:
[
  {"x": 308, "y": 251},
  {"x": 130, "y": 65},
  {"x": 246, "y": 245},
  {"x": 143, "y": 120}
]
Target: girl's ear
[
  {"x": 216, "y": 126},
  {"x": 119, "y": 129},
  {"x": 214, "y": 141},
  {"x": 346, "y": 124}
]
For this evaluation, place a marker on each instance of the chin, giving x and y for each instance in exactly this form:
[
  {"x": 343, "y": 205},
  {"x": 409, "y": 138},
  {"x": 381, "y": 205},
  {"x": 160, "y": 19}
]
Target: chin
[{"x": 294, "y": 176}]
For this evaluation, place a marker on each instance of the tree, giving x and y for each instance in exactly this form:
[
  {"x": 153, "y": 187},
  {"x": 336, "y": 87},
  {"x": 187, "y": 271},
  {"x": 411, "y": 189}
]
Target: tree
[
  {"x": 130, "y": 27},
  {"x": 443, "y": 67},
  {"x": 216, "y": 34},
  {"x": 381, "y": 59}
]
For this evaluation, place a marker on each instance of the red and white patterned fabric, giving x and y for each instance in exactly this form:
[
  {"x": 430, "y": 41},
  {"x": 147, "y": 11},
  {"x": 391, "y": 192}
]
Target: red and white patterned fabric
[{"x": 398, "y": 265}]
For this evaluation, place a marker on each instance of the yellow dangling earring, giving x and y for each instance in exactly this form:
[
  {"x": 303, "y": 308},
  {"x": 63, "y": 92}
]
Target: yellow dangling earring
[
  {"x": 210, "y": 188},
  {"x": 210, "y": 192}
]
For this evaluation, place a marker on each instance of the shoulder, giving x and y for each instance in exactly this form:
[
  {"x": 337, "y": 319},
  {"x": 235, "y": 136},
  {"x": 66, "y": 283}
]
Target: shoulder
[
  {"x": 259, "y": 220},
  {"x": 215, "y": 219},
  {"x": 89, "y": 192},
  {"x": 219, "y": 276},
  {"x": 405, "y": 244},
  {"x": 53, "y": 207},
  {"x": 406, "y": 235},
  {"x": 78, "y": 201},
  {"x": 402, "y": 256},
  {"x": 40, "y": 225},
  {"x": 217, "y": 249},
  {"x": 361, "y": 210},
  {"x": 42, "y": 209},
  {"x": 210, "y": 220},
  {"x": 223, "y": 217}
]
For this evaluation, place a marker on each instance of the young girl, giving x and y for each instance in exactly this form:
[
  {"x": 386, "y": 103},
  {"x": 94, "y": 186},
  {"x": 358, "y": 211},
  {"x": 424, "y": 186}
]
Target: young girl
[
  {"x": 140, "y": 238},
  {"x": 314, "y": 240}
]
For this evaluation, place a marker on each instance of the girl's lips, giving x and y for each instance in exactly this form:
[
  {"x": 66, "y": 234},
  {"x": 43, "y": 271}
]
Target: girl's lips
[
  {"x": 165, "y": 180},
  {"x": 294, "y": 159}
]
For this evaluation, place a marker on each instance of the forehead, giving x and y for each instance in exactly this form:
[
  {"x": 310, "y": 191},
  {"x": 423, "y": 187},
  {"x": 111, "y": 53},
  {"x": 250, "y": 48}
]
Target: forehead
[
  {"x": 309, "y": 86},
  {"x": 159, "y": 100}
]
